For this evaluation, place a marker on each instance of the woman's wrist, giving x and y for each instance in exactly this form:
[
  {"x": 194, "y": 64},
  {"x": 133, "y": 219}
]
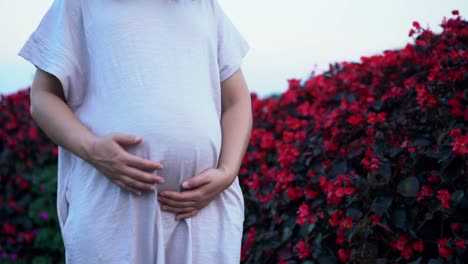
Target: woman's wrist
[
  {"x": 85, "y": 147},
  {"x": 230, "y": 175}
]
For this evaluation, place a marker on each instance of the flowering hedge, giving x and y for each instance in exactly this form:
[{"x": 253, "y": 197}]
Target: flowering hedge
[
  {"x": 29, "y": 230},
  {"x": 366, "y": 162}
]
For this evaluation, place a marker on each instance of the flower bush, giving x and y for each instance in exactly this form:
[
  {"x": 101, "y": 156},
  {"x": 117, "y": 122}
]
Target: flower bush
[
  {"x": 366, "y": 162},
  {"x": 29, "y": 230}
]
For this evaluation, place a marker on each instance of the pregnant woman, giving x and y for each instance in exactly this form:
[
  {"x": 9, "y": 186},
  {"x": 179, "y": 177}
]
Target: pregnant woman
[{"x": 152, "y": 115}]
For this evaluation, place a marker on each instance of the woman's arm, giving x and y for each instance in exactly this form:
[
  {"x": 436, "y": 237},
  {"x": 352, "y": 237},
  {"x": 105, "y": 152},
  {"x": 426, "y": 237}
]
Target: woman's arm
[
  {"x": 236, "y": 125},
  {"x": 51, "y": 113}
]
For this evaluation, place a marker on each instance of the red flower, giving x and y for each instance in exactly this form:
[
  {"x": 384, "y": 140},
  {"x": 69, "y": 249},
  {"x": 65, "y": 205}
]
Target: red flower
[
  {"x": 302, "y": 250},
  {"x": 426, "y": 191},
  {"x": 445, "y": 252},
  {"x": 418, "y": 246},
  {"x": 294, "y": 193},
  {"x": 268, "y": 141},
  {"x": 455, "y": 132},
  {"x": 330, "y": 145},
  {"x": 8, "y": 228},
  {"x": 416, "y": 25},
  {"x": 311, "y": 174},
  {"x": 349, "y": 190},
  {"x": 455, "y": 12},
  {"x": 376, "y": 218},
  {"x": 424, "y": 98},
  {"x": 405, "y": 143},
  {"x": 456, "y": 227},
  {"x": 305, "y": 109},
  {"x": 372, "y": 118},
  {"x": 407, "y": 253},
  {"x": 24, "y": 185},
  {"x": 310, "y": 194},
  {"x": 335, "y": 218},
  {"x": 300, "y": 136},
  {"x": 288, "y": 136},
  {"x": 456, "y": 109},
  {"x": 339, "y": 192},
  {"x": 254, "y": 182},
  {"x": 375, "y": 164},
  {"x": 343, "y": 255},
  {"x": 460, "y": 146},
  {"x": 32, "y": 133},
  {"x": 460, "y": 243},
  {"x": 294, "y": 83},
  {"x": 445, "y": 197},
  {"x": 304, "y": 215},
  {"x": 28, "y": 236},
  {"x": 347, "y": 222},
  {"x": 433, "y": 179},
  {"x": 401, "y": 243},
  {"x": 356, "y": 120},
  {"x": 251, "y": 236}
]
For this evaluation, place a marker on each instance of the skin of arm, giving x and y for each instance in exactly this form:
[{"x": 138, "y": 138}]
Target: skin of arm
[
  {"x": 236, "y": 126},
  {"x": 49, "y": 110},
  {"x": 51, "y": 113}
]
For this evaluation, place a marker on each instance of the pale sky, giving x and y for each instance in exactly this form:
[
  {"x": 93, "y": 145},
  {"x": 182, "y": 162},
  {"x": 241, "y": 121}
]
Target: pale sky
[{"x": 288, "y": 39}]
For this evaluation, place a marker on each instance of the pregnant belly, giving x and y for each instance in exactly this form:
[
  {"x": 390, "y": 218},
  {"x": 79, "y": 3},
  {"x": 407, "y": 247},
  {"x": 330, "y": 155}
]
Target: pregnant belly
[
  {"x": 185, "y": 142},
  {"x": 183, "y": 154}
]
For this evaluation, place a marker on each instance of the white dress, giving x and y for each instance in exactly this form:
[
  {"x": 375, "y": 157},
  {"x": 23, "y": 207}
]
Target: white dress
[{"x": 150, "y": 68}]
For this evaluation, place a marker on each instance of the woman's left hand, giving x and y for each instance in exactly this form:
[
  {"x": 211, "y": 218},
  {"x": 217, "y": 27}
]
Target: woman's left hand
[{"x": 200, "y": 190}]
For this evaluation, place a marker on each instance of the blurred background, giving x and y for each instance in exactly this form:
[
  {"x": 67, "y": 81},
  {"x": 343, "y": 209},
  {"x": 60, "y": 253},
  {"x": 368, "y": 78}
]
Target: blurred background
[{"x": 288, "y": 39}]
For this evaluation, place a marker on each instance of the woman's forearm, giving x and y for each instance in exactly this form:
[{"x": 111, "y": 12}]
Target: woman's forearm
[
  {"x": 236, "y": 125},
  {"x": 58, "y": 122}
]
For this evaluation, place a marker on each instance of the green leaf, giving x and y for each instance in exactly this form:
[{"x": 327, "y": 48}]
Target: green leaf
[
  {"x": 384, "y": 169},
  {"x": 409, "y": 187},
  {"x": 354, "y": 213},
  {"x": 378, "y": 147},
  {"x": 381, "y": 204},
  {"x": 445, "y": 154},
  {"x": 436, "y": 261},
  {"x": 416, "y": 261},
  {"x": 42, "y": 260},
  {"x": 327, "y": 258},
  {"x": 339, "y": 168},
  {"x": 399, "y": 218},
  {"x": 287, "y": 233},
  {"x": 421, "y": 142},
  {"x": 310, "y": 228},
  {"x": 457, "y": 197},
  {"x": 394, "y": 151}
]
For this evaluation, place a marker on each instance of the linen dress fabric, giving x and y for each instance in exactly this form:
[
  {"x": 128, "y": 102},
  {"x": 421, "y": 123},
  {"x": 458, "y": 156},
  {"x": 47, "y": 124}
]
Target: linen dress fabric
[{"x": 151, "y": 68}]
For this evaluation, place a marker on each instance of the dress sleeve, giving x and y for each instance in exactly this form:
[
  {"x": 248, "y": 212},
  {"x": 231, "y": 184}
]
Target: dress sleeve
[
  {"x": 57, "y": 46},
  {"x": 232, "y": 46}
]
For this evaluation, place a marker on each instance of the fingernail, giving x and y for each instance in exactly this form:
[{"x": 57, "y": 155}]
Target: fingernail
[
  {"x": 137, "y": 138},
  {"x": 185, "y": 185}
]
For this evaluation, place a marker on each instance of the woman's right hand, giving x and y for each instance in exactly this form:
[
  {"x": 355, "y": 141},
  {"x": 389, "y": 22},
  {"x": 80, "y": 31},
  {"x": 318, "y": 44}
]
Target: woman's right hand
[{"x": 122, "y": 168}]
